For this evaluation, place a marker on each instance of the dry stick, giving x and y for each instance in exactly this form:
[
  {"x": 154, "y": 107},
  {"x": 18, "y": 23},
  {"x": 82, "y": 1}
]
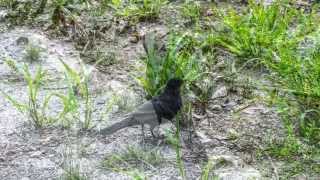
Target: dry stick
[{"x": 178, "y": 152}]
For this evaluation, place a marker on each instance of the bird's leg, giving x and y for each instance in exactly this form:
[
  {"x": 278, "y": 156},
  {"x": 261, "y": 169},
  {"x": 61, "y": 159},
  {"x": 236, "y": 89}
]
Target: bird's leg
[
  {"x": 143, "y": 137},
  {"x": 160, "y": 139},
  {"x": 151, "y": 130}
]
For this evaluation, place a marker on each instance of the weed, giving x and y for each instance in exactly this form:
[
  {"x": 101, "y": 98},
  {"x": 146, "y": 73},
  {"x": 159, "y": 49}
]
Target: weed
[
  {"x": 133, "y": 157},
  {"x": 12, "y": 65},
  {"x": 72, "y": 172},
  {"x": 203, "y": 92},
  {"x": 35, "y": 110},
  {"x": 33, "y": 52},
  {"x": 125, "y": 101},
  {"x": 260, "y": 30},
  {"x": 8, "y": 3},
  {"x": 176, "y": 62},
  {"x": 299, "y": 157},
  {"x": 71, "y": 167},
  {"x": 205, "y": 174},
  {"x": 298, "y": 90},
  {"x": 19, "y": 11},
  {"x": 100, "y": 57},
  {"x": 174, "y": 139},
  {"x": 79, "y": 83},
  {"x": 138, "y": 10},
  {"x": 137, "y": 175},
  {"x": 191, "y": 10}
]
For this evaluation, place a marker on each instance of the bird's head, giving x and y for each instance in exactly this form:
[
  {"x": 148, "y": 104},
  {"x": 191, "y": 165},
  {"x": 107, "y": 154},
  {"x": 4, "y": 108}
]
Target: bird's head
[{"x": 174, "y": 83}]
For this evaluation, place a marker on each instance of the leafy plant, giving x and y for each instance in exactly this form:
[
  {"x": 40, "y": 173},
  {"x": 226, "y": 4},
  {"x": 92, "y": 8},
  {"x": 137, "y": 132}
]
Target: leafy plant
[
  {"x": 175, "y": 62},
  {"x": 259, "y": 30},
  {"x": 35, "y": 108},
  {"x": 138, "y": 10},
  {"x": 8, "y": 3},
  {"x": 79, "y": 83},
  {"x": 73, "y": 173},
  {"x": 133, "y": 157},
  {"x": 71, "y": 167},
  {"x": 12, "y": 65},
  {"x": 298, "y": 87},
  {"x": 205, "y": 174},
  {"x": 33, "y": 52},
  {"x": 174, "y": 139},
  {"x": 191, "y": 10},
  {"x": 298, "y": 157},
  {"x": 203, "y": 92}
]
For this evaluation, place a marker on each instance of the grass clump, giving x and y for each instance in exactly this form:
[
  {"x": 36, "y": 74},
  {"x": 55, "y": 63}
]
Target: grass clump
[
  {"x": 295, "y": 77},
  {"x": 298, "y": 91},
  {"x": 79, "y": 84},
  {"x": 191, "y": 10},
  {"x": 73, "y": 173},
  {"x": 259, "y": 30},
  {"x": 177, "y": 61},
  {"x": 33, "y": 52},
  {"x": 138, "y": 10},
  {"x": 133, "y": 158},
  {"x": 36, "y": 108},
  {"x": 298, "y": 157},
  {"x": 71, "y": 167}
]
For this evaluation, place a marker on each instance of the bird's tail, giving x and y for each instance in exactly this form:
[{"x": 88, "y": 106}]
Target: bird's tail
[{"x": 127, "y": 122}]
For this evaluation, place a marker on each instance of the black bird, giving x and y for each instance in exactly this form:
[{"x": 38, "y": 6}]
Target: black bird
[{"x": 158, "y": 110}]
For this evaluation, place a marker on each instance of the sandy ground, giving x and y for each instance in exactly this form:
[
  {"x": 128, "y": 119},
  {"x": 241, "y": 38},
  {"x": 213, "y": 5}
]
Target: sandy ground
[{"x": 29, "y": 153}]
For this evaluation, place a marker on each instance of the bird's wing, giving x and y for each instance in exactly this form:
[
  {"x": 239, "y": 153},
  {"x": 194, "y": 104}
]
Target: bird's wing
[{"x": 145, "y": 113}]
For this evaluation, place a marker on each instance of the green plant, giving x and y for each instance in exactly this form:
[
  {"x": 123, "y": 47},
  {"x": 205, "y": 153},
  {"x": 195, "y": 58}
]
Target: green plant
[
  {"x": 133, "y": 157},
  {"x": 203, "y": 92},
  {"x": 33, "y": 52},
  {"x": 138, "y": 10},
  {"x": 60, "y": 12},
  {"x": 12, "y": 65},
  {"x": 35, "y": 108},
  {"x": 191, "y": 10},
  {"x": 205, "y": 174},
  {"x": 71, "y": 167},
  {"x": 178, "y": 149},
  {"x": 79, "y": 83},
  {"x": 177, "y": 61},
  {"x": 8, "y": 3},
  {"x": 298, "y": 89},
  {"x": 72, "y": 172},
  {"x": 259, "y": 30},
  {"x": 174, "y": 140},
  {"x": 298, "y": 157}
]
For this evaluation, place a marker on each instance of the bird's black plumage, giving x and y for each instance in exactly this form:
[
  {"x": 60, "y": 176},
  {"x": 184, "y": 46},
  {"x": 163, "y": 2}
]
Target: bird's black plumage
[
  {"x": 162, "y": 107},
  {"x": 168, "y": 103}
]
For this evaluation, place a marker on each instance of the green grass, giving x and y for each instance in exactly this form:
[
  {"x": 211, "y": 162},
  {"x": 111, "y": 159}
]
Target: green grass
[
  {"x": 297, "y": 90},
  {"x": 298, "y": 157},
  {"x": 133, "y": 158},
  {"x": 284, "y": 41},
  {"x": 272, "y": 36},
  {"x": 7, "y": 3},
  {"x": 36, "y": 107},
  {"x": 33, "y": 52},
  {"x": 259, "y": 30},
  {"x": 191, "y": 10},
  {"x": 206, "y": 173},
  {"x": 177, "y": 61},
  {"x": 73, "y": 173},
  {"x": 136, "y": 11},
  {"x": 174, "y": 140},
  {"x": 79, "y": 84}
]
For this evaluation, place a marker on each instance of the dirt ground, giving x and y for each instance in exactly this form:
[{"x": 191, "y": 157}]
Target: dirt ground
[
  {"x": 28, "y": 153},
  {"x": 232, "y": 130}
]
